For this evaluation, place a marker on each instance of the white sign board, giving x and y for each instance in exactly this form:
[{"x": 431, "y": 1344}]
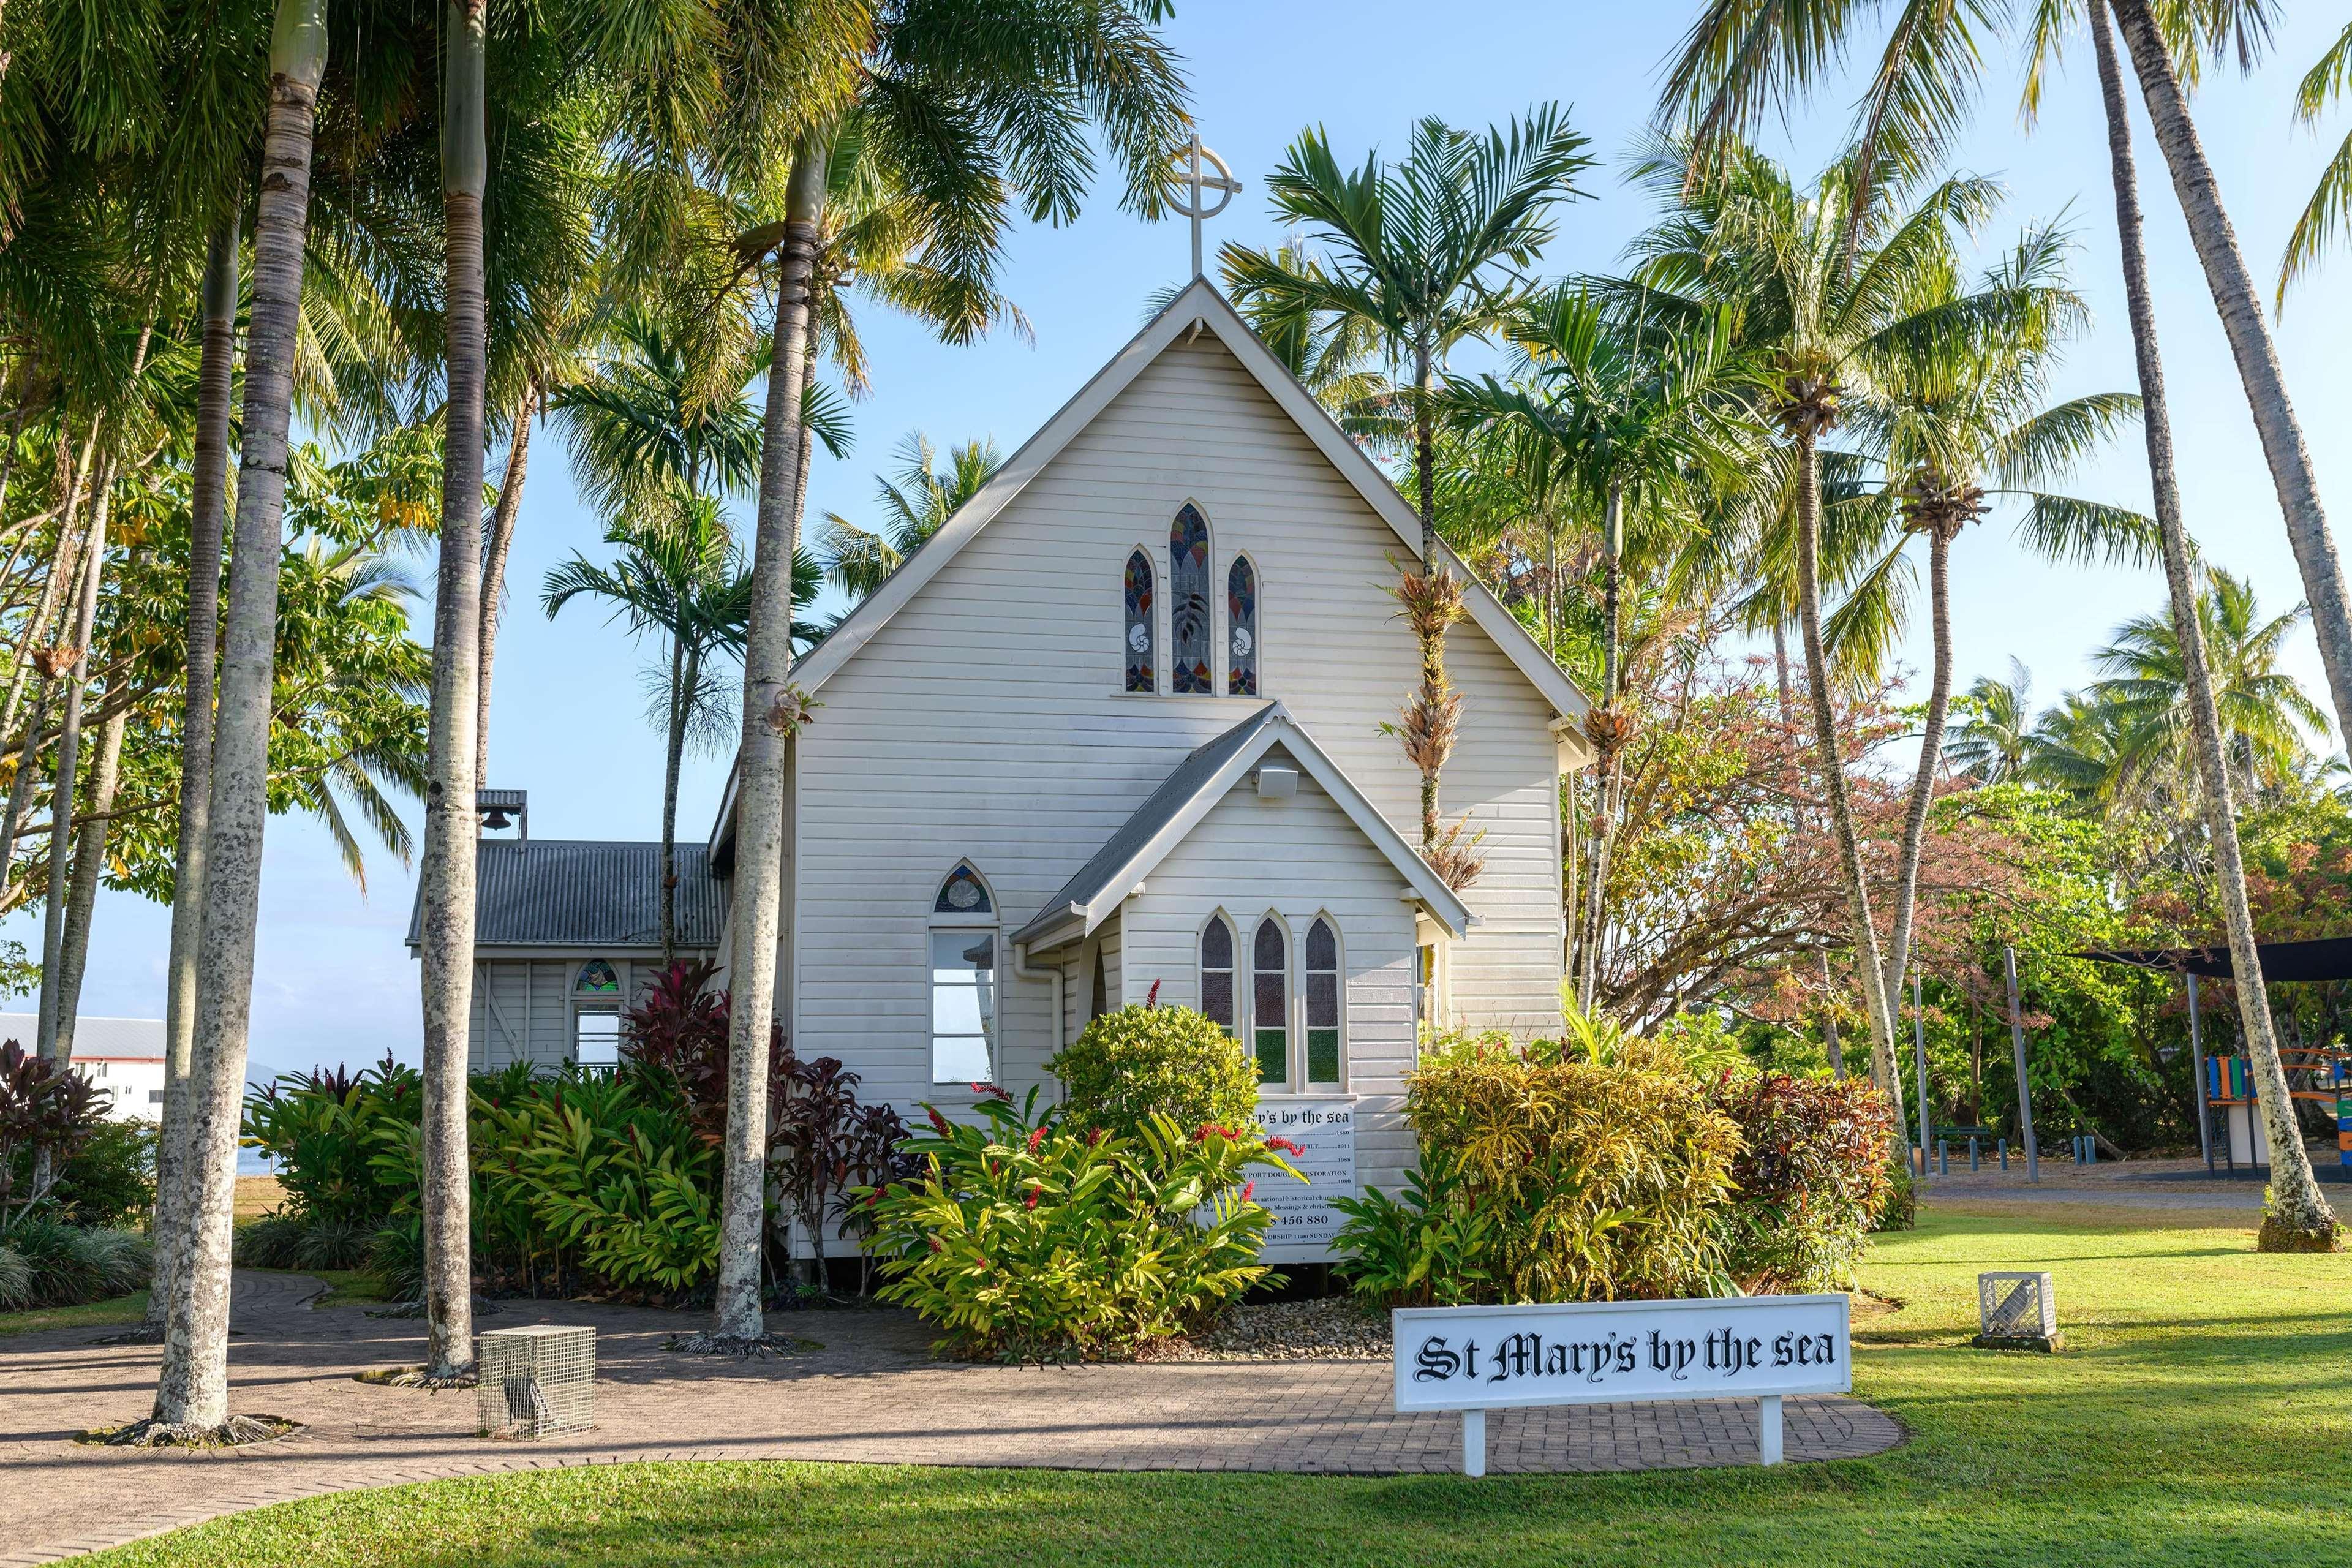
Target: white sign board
[
  {"x": 1304, "y": 1220},
  {"x": 1475, "y": 1359}
]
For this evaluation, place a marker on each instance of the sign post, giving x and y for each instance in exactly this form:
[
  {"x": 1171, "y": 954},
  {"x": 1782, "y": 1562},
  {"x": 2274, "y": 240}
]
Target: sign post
[{"x": 1471, "y": 1360}]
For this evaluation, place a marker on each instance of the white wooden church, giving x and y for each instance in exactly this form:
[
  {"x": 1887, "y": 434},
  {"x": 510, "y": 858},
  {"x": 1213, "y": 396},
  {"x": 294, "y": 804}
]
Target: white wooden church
[{"x": 1118, "y": 726}]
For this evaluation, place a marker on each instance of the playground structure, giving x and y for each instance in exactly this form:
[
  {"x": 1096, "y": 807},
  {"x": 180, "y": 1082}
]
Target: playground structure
[
  {"x": 2225, "y": 1083},
  {"x": 2228, "y": 1090}
]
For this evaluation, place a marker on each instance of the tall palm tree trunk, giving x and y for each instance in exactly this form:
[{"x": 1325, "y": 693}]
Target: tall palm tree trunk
[
  {"x": 210, "y": 499},
  {"x": 2299, "y": 1218},
  {"x": 2241, "y": 310},
  {"x": 771, "y": 713},
  {"x": 56, "y": 1028},
  {"x": 494, "y": 572},
  {"x": 1431, "y": 630},
  {"x": 673, "y": 758},
  {"x": 1868, "y": 965},
  {"x": 1931, "y": 748},
  {"x": 89, "y": 869},
  {"x": 192, "y": 1394},
  {"x": 446, "y": 892},
  {"x": 61, "y": 572}
]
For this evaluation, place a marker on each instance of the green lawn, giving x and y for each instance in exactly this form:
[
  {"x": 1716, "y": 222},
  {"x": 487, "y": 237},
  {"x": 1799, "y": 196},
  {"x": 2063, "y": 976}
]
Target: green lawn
[
  {"x": 2201, "y": 1416},
  {"x": 115, "y": 1309}
]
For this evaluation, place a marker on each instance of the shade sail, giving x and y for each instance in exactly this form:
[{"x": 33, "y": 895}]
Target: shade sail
[{"x": 2325, "y": 957}]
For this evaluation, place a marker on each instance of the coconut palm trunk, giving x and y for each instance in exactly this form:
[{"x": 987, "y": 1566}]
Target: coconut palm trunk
[
  {"x": 770, "y": 714},
  {"x": 2299, "y": 1218},
  {"x": 210, "y": 500},
  {"x": 494, "y": 572},
  {"x": 89, "y": 869},
  {"x": 56, "y": 1025},
  {"x": 683, "y": 673},
  {"x": 445, "y": 891},
  {"x": 1931, "y": 747},
  {"x": 2241, "y": 310},
  {"x": 1868, "y": 965},
  {"x": 192, "y": 1394}
]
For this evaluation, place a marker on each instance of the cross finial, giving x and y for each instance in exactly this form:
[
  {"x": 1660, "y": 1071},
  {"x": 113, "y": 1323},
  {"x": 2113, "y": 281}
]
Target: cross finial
[{"x": 1193, "y": 204}]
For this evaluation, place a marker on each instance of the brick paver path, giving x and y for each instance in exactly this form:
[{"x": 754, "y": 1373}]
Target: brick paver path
[{"x": 872, "y": 1394}]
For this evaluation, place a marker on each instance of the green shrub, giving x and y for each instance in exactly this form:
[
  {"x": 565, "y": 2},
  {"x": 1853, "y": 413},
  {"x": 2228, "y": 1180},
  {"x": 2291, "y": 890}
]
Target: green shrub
[
  {"x": 281, "y": 1240},
  {"x": 1027, "y": 1239},
  {"x": 1598, "y": 1183},
  {"x": 47, "y": 1263},
  {"x": 109, "y": 1182},
  {"x": 1129, "y": 1066},
  {"x": 1811, "y": 1178}
]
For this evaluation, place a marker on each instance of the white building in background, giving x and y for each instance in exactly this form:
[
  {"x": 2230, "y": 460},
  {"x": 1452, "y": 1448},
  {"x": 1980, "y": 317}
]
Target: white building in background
[
  {"x": 1117, "y": 733},
  {"x": 123, "y": 1058}
]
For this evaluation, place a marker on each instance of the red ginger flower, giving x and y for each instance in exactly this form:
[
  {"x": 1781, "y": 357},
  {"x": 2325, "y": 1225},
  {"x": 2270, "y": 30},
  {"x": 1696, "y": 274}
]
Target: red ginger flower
[
  {"x": 938, "y": 1121},
  {"x": 1247, "y": 1188},
  {"x": 1037, "y": 1136},
  {"x": 1285, "y": 1146},
  {"x": 991, "y": 1091},
  {"x": 1030, "y": 1200}
]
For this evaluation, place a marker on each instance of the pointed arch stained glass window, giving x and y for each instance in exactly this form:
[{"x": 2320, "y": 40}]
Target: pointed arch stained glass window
[
  {"x": 1270, "y": 1001},
  {"x": 597, "y": 979},
  {"x": 1217, "y": 973},
  {"x": 1142, "y": 660},
  {"x": 1241, "y": 623},
  {"x": 1188, "y": 604},
  {"x": 1322, "y": 1004},
  {"x": 963, "y": 893}
]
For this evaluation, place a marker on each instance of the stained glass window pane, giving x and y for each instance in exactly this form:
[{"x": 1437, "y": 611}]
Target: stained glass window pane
[
  {"x": 1269, "y": 946},
  {"x": 1217, "y": 998},
  {"x": 597, "y": 979},
  {"x": 1241, "y": 620},
  {"x": 1142, "y": 659},
  {"x": 1322, "y": 1000},
  {"x": 1217, "y": 946},
  {"x": 1273, "y": 1056},
  {"x": 1322, "y": 1055},
  {"x": 963, "y": 893},
  {"x": 1188, "y": 603},
  {"x": 1322, "y": 946}
]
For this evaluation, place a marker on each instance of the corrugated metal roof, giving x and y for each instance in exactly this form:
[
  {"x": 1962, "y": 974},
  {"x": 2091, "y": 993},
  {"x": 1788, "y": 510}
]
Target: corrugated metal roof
[
  {"x": 1191, "y": 775},
  {"x": 134, "y": 1040},
  {"x": 585, "y": 893}
]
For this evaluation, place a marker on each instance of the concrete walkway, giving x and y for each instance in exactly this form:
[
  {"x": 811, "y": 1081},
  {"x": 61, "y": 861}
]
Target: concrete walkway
[{"x": 873, "y": 1394}]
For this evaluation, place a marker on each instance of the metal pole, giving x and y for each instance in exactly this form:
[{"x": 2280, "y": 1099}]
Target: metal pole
[
  {"x": 1197, "y": 213},
  {"x": 2024, "y": 1084},
  {"x": 1919, "y": 1058},
  {"x": 2197, "y": 1078}
]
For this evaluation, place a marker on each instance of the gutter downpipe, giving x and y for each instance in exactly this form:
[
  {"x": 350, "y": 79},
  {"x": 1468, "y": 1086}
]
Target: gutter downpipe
[{"x": 1022, "y": 971}]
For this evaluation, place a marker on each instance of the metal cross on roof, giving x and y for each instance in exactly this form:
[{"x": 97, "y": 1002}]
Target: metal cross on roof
[{"x": 1192, "y": 203}]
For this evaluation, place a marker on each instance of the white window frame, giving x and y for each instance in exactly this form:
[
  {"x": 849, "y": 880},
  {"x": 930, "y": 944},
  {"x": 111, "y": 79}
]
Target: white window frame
[
  {"x": 1305, "y": 1071},
  {"x": 1238, "y": 973},
  {"x": 1158, "y": 616},
  {"x": 1225, "y": 615},
  {"x": 979, "y": 922},
  {"x": 1216, "y": 600},
  {"x": 1287, "y": 1082}
]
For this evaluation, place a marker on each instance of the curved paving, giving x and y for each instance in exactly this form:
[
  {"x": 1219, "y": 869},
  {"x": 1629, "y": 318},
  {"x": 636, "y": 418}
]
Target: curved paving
[{"x": 873, "y": 1394}]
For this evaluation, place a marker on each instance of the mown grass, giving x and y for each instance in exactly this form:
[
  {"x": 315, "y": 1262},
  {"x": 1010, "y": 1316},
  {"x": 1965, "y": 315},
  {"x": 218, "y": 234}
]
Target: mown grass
[
  {"x": 2200, "y": 1416},
  {"x": 114, "y": 1310}
]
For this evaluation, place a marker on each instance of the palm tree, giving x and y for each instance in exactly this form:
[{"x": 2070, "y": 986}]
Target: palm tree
[
  {"x": 1994, "y": 737},
  {"x": 192, "y": 1394},
  {"x": 1826, "y": 332},
  {"x": 2240, "y": 308},
  {"x": 2331, "y": 200},
  {"x": 682, "y": 579},
  {"x": 2300, "y": 1217},
  {"x": 914, "y": 503},
  {"x": 1960, "y": 428},
  {"x": 1633, "y": 418},
  {"x": 2086, "y": 748},
  {"x": 643, "y": 432},
  {"x": 973, "y": 101},
  {"x": 1420, "y": 257},
  {"x": 2264, "y": 715}
]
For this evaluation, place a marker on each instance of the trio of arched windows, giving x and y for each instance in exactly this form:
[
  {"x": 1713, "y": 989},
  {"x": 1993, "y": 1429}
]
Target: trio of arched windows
[
  {"x": 1293, "y": 1028},
  {"x": 1191, "y": 632}
]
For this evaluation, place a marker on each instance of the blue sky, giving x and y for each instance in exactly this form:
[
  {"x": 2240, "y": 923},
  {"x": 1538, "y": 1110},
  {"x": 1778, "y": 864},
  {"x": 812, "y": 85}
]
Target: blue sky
[{"x": 334, "y": 980}]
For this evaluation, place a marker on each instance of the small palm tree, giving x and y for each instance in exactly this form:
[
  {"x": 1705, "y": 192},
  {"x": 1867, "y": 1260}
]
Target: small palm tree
[
  {"x": 1421, "y": 256},
  {"x": 682, "y": 580},
  {"x": 1994, "y": 737},
  {"x": 2265, "y": 715},
  {"x": 914, "y": 504}
]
